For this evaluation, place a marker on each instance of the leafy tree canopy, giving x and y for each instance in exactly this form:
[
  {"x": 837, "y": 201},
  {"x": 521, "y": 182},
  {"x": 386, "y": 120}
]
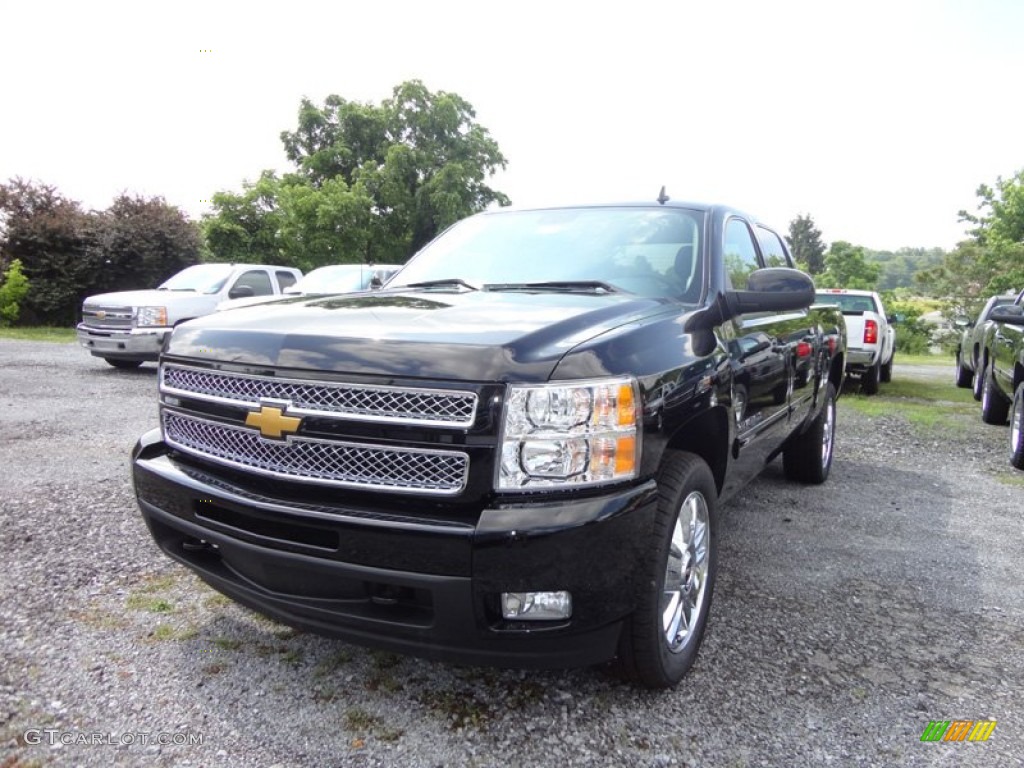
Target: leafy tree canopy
[
  {"x": 847, "y": 266},
  {"x": 67, "y": 253},
  {"x": 992, "y": 260},
  {"x": 804, "y": 240},
  {"x": 371, "y": 183}
]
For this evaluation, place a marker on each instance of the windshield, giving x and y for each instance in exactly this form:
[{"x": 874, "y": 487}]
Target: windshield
[
  {"x": 648, "y": 251},
  {"x": 341, "y": 278},
  {"x": 201, "y": 278},
  {"x": 338, "y": 279}
]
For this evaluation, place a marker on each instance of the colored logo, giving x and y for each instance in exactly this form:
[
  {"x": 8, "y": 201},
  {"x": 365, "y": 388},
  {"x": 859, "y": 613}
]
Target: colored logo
[
  {"x": 958, "y": 730},
  {"x": 271, "y": 422}
]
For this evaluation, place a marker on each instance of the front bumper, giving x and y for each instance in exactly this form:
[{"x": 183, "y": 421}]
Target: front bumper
[
  {"x": 424, "y": 586},
  {"x": 136, "y": 344}
]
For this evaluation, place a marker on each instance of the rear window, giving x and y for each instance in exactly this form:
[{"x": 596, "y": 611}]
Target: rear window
[{"x": 848, "y": 302}]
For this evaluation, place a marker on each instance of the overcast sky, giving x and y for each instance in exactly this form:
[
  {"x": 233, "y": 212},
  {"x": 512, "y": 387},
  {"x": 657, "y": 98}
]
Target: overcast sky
[{"x": 879, "y": 119}]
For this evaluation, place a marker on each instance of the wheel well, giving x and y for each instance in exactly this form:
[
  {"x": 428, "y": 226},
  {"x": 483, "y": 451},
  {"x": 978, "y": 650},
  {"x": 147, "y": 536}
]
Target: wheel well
[
  {"x": 835, "y": 373},
  {"x": 706, "y": 435}
]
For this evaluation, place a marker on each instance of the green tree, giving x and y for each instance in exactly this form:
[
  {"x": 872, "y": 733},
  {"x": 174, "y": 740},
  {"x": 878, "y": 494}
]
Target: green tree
[
  {"x": 13, "y": 288},
  {"x": 245, "y": 227},
  {"x": 139, "y": 242},
  {"x": 805, "y": 244},
  {"x": 1000, "y": 217},
  {"x": 992, "y": 260},
  {"x": 372, "y": 182},
  {"x": 50, "y": 235},
  {"x": 68, "y": 253},
  {"x": 846, "y": 266}
]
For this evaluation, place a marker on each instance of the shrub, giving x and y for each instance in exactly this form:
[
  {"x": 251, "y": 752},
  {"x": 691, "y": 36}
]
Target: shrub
[{"x": 13, "y": 288}]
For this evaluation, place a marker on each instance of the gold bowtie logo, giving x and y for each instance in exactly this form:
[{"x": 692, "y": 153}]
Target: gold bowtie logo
[{"x": 271, "y": 422}]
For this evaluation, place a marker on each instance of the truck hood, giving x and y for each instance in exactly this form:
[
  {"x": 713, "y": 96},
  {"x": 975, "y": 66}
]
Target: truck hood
[
  {"x": 478, "y": 336},
  {"x": 146, "y": 298}
]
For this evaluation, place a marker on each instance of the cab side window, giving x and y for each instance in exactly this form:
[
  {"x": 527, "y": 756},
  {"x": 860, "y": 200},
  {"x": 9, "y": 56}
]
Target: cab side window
[
  {"x": 285, "y": 279},
  {"x": 740, "y": 254},
  {"x": 775, "y": 253},
  {"x": 256, "y": 279}
]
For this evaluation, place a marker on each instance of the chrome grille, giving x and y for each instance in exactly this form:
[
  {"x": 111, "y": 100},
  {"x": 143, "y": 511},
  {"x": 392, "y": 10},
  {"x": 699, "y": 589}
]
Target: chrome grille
[
  {"x": 327, "y": 462},
  {"x": 112, "y": 318},
  {"x": 428, "y": 407}
]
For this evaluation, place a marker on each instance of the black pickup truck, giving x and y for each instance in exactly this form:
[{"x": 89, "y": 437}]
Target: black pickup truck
[
  {"x": 1002, "y": 374},
  {"x": 514, "y": 452}
]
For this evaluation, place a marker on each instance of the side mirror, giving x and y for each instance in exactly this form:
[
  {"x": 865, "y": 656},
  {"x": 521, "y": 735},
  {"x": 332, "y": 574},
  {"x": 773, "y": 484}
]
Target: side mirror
[
  {"x": 1012, "y": 314},
  {"x": 772, "y": 289},
  {"x": 241, "y": 292}
]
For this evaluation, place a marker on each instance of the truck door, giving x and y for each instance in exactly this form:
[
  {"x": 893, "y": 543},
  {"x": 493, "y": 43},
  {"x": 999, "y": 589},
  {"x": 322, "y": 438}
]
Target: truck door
[{"x": 760, "y": 356}]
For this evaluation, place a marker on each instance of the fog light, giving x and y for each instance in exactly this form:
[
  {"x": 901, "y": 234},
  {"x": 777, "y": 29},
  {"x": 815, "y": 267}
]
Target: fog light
[{"x": 536, "y": 606}]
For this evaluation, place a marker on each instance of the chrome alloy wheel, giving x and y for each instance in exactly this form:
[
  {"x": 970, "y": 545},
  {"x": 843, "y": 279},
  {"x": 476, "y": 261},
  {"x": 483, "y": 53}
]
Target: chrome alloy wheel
[
  {"x": 827, "y": 436},
  {"x": 686, "y": 571},
  {"x": 1016, "y": 423}
]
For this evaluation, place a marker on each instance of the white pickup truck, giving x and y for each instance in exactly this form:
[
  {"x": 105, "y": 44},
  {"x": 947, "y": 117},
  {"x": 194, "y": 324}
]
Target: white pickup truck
[
  {"x": 127, "y": 328},
  {"x": 870, "y": 336}
]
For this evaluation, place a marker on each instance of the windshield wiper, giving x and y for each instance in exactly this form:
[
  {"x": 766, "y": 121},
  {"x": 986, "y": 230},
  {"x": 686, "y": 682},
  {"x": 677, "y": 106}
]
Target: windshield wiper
[
  {"x": 450, "y": 282},
  {"x": 562, "y": 286}
]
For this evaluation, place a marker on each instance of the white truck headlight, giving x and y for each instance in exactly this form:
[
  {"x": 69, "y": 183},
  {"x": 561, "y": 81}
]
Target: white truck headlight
[
  {"x": 150, "y": 316},
  {"x": 570, "y": 434}
]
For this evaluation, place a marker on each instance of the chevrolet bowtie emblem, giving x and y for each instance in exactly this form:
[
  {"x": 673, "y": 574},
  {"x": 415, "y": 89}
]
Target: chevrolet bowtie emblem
[
  {"x": 271, "y": 422},
  {"x": 101, "y": 315}
]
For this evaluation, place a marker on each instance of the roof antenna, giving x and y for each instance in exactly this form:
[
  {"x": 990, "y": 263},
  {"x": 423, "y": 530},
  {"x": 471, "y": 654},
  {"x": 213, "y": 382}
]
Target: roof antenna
[{"x": 662, "y": 197}]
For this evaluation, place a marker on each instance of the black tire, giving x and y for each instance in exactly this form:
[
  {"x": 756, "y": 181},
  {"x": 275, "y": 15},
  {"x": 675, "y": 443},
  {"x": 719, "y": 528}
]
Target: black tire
[
  {"x": 1017, "y": 428},
  {"x": 687, "y": 497},
  {"x": 994, "y": 407},
  {"x": 885, "y": 374},
  {"x": 869, "y": 381},
  {"x": 964, "y": 376},
  {"x": 978, "y": 382},
  {"x": 808, "y": 456},
  {"x": 124, "y": 365}
]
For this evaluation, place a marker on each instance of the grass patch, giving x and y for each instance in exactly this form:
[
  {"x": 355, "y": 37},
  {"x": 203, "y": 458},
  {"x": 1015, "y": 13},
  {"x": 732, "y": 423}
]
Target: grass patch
[
  {"x": 462, "y": 709},
  {"x": 924, "y": 390},
  {"x": 217, "y": 601},
  {"x": 925, "y": 403},
  {"x": 60, "y": 335},
  {"x": 149, "y": 603},
  {"x": 923, "y": 413},
  {"x": 1014, "y": 481},
  {"x": 227, "y": 643},
  {"x": 363, "y": 723},
  {"x": 927, "y": 359},
  {"x": 332, "y": 663}
]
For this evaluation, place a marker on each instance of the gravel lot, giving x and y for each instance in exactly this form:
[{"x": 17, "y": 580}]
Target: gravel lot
[{"x": 846, "y": 617}]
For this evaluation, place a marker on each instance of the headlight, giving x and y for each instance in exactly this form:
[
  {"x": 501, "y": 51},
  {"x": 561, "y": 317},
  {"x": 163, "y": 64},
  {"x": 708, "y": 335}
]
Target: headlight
[
  {"x": 147, "y": 316},
  {"x": 569, "y": 434}
]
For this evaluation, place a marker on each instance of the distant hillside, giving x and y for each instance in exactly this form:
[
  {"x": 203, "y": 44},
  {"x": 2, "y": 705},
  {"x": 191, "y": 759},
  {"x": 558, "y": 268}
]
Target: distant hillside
[{"x": 899, "y": 267}]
